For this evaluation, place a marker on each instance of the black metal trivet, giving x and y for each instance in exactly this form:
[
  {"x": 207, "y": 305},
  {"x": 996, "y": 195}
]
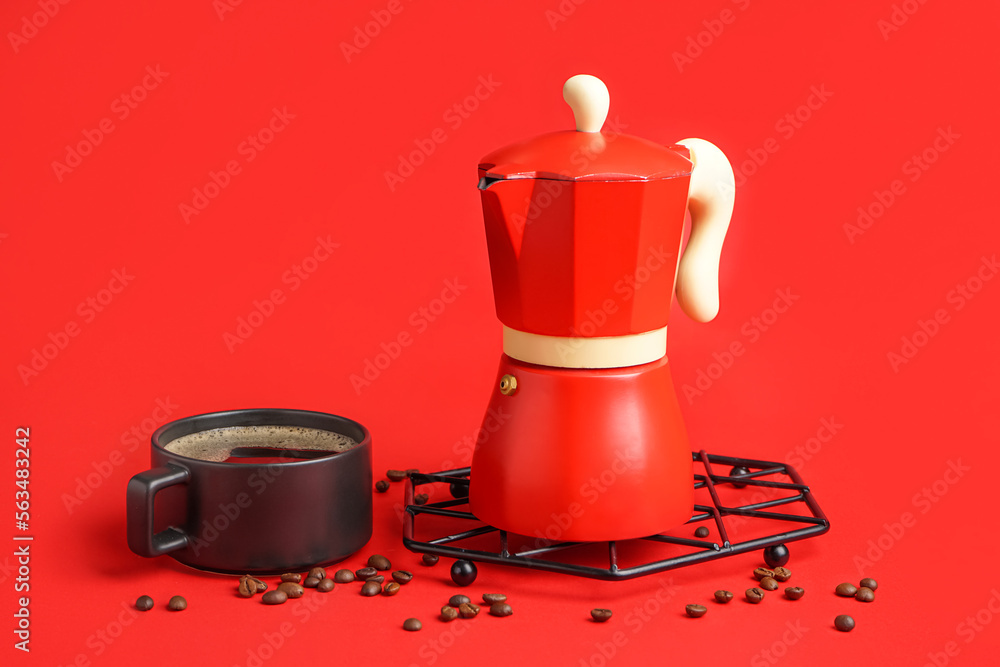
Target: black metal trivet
[{"x": 489, "y": 544}]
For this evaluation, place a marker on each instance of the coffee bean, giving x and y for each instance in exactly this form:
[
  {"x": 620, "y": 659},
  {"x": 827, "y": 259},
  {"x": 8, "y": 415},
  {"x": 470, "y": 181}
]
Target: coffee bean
[
  {"x": 762, "y": 572},
  {"x": 456, "y": 600},
  {"x": 468, "y": 610},
  {"x": 492, "y": 598},
  {"x": 261, "y": 586},
  {"x": 412, "y": 625},
  {"x": 291, "y": 589},
  {"x": 794, "y": 592},
  {"x": 600, "y": 615},
  {"x": 846, "y": 590},
  {"x": 421, "y": 498},
  {"x": 402, "y": 576},
  {"x": 325, "y": 586},
  {"x": 500, "y": 609},
  {"x": 365, "y": 572},
  {"x": 371, "y": 589},
  {"x": 723, "y": 597},
  {"x": 844, "y": 623},
  {"x": 448, "y": 613},
  {"x": 379, "y": 562},
  {"x": 754, "y": 595},
  {"x": 430, "y": 559},
  {"x": 317, "y": 572},
  {"x": 769, "y": 584},
  {"x": 868, "y": 582},
  {"x": 410, "y": 471},
  {"x": 311, "y": 582},
  {"x": 247, "y": 587},
  {"x": 396, "y": 475},
  {"x": 782, "y": 573},
  {"x": 391, "y": 588},
  {"x": 696, "y": 610},
  {"x": 274, "y": 597},
  {"x": 864, "y": 594},
  {"x": 292, "y": 577},
  {"x": 177, "y": 603},
  {"x": 343, "y": 576},
  {"x": 378, "y": 579},
  {"x": 702, "y": 531},
  {"x": 381, "y": 486},
  {"x": 144, "y": 603}
]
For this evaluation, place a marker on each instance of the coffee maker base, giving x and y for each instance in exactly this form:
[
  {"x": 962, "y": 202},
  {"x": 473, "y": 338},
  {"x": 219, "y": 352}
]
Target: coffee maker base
[{"x": 736, "y": 525}]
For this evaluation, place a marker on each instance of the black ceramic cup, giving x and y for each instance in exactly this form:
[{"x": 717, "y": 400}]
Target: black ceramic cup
[{"x": 295, "y": 511}]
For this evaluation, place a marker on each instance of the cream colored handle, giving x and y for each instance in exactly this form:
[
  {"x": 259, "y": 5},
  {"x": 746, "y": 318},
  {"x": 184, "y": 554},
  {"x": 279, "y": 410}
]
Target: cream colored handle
[
  {"x": 710, "y": 200},
  {"x": 588, "y": 97}
]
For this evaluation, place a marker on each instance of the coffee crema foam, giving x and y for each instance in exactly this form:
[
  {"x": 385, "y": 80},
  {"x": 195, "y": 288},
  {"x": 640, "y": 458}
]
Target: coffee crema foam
[{"x": 217, "y": 444}]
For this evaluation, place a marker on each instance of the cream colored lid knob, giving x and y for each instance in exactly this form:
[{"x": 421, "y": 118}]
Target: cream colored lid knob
[{"x": 588, "y": 97}]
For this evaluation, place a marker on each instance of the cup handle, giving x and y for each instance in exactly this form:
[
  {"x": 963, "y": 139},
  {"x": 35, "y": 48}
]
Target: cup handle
[{"x": 141, "y": 493}]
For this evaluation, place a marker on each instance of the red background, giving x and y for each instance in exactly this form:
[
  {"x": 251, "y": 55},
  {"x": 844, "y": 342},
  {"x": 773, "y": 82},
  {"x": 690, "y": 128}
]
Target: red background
[{"x": 162, "y": 337}]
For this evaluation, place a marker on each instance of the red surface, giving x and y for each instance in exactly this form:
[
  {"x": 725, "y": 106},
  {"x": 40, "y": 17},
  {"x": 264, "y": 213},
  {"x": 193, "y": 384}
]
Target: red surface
[
  {"x": 583, "y": 454},
  {"x": 341, "y": 266}
]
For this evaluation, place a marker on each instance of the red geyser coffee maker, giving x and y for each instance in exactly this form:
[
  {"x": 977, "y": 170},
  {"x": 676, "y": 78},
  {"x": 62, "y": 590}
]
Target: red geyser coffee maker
[{"x": 584, "y": 232}]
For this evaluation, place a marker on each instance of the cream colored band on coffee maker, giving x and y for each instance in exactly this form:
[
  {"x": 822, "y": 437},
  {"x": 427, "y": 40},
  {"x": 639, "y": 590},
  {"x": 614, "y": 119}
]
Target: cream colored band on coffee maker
[{"x": 568, "y": 352}]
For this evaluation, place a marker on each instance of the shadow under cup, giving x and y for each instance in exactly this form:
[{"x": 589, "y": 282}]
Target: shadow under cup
[{"x": 264, "y": 510}]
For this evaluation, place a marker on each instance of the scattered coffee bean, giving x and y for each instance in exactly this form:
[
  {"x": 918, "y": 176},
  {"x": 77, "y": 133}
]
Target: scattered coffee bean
[
  {"x": 696, "y": 610},
  {"x": 365, "y": 572},
  {"x": 343, "y": 576},
  {"x": 402, "y": 576},
  {"x": 378, "y": 579},
  {"x": 325, "y": 586},
  {"x": 391, "y": 588},
  {"x": 261, "y": 586},
  {"x": 782, "y": 573},
  {"x": 754, "y": 595},
  {"x": 762, "y": 572},
  {"x": 410, "y": 471},
  {"x": 500, "y": 609},
  {"x": 144, "y": 603},
  {"x": 846, "y": 590},
  {"x": 292, "y": 577},
  {"x": 723, "y": 597},
  {"x": 794, "y": 592},
  {"x": 381, "y": 486},
  {"x": 844, "y": 623},
  {"x": 492, "y": 598},
  {"x": 412, "y": 625},
  {"x": 291, "y": 589},
  {"x": 247, "y": 587},
  {"x": 274, "y": 597},
  {"x": 868, "y": 582},
  {"x": 371, "y": 589},
  {"x": 430, "y": 559},
  {"x": 864, "y": 594},
  {"x": 317, "y": 572},
  {"x": 702, "y": 531},
  {"x": 600, "y": 615},
  {"x": 379, "y": 562},
  {"x": 177, "y": 603},
  {"x": 448, "y": 613},
  {"x": 456, "y": 600},
  {"x": 769, "y": 584},
  {"x": 311, "y": 582},
  {"x": 396, "y": 475},
  {"x": 421, "y": 498},
  {"x": 468, "y": 609}
]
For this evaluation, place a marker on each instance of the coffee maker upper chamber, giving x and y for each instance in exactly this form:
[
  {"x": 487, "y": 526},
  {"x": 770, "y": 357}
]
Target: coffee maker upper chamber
[{"x": 584, "y": 230}]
